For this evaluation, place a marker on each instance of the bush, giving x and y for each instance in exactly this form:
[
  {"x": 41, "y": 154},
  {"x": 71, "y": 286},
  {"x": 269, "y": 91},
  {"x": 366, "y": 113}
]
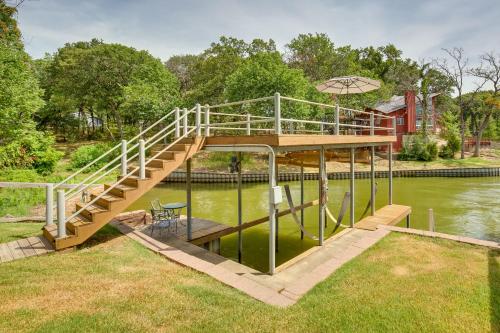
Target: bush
[
  {"x": 32, "y": 150},
  {"x": 86, "y": 154},
  {"x": 452, "y": 146},
  {"x": 419, "y": 148}
]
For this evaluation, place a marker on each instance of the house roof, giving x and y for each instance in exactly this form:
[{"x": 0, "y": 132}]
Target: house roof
[{"x": 396, "y": 103}]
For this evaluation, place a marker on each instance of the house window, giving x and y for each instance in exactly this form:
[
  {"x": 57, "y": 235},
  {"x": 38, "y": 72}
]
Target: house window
[{"x": 400, "y": 121}]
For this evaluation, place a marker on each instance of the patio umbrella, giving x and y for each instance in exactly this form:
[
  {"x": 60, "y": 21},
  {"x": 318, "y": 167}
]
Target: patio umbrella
[{"x": 345, "y": 85}]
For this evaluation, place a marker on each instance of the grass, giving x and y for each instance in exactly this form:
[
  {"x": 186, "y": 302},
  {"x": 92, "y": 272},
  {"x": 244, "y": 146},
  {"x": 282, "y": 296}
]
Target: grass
[
  {"x": 402, "y": 284},
  {"x": 13, "y": 231}
]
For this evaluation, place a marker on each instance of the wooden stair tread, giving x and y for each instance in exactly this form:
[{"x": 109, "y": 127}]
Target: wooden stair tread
[
  {"x": 94, "y": 208},
  {"x": 120, "y": 187}
]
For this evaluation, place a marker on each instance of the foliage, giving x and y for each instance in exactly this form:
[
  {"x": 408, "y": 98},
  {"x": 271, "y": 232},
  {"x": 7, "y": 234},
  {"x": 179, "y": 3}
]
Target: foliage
[
  {"x": 108, "y": 82},
  {"x": 86, "y": 154},
  {"x": 451, "y": 133},
  {"x": 262, "y": 75},
  {"x": 418, "y": 148}
]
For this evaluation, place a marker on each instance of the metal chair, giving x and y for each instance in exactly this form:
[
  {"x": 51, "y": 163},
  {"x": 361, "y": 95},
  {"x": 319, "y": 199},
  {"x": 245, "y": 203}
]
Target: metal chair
[{"x": 161, "y": 218}]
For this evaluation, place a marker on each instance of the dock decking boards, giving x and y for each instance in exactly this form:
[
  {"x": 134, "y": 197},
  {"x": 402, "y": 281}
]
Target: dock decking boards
[
  {"x": 387, "y": 215},
  {"x": 23, "y": 248}
]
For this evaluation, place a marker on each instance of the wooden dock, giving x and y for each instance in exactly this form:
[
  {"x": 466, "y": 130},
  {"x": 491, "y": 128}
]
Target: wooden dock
[
  {"x": 23, "y": 248},
  {"x": 387, "y": 215}
]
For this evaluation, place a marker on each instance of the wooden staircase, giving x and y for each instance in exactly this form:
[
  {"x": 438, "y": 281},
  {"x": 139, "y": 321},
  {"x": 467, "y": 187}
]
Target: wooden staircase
[{"x": 97, "y": 215}]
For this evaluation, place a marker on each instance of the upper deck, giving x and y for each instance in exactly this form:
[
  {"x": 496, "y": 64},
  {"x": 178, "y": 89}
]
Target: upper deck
[{"x": 290, "y": 141}]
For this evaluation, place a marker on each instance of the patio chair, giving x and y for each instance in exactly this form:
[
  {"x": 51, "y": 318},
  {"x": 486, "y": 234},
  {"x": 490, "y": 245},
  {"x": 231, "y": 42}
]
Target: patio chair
[{"x": 161, "y": 218}]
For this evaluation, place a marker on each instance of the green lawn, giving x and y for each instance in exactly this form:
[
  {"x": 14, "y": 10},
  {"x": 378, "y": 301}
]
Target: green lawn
[
  {"x": 13, "y": 231},
  {"x": 113, "y": 284}
]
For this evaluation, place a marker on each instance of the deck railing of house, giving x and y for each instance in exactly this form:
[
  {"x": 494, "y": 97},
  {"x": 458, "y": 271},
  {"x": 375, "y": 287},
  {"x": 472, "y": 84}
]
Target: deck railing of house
[{"x": 207, "y": 120}]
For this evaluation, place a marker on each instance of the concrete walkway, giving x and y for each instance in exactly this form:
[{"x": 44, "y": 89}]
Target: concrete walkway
[
  {"x": 283, "y": 289},
  {"x": 23, "y": 248}
]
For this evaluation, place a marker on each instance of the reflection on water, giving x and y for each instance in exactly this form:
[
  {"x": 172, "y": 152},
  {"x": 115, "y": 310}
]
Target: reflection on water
[{"x": 462, "y": 206}]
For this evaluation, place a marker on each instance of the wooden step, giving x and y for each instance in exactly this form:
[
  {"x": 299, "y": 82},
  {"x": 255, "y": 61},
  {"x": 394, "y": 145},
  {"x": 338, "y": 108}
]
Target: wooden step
[
  {"x": 166, "y": 155},
  {"x": 158, "y": 163},
  {"x": 50, "y": 232},
  {"x": 119, "y": 190},
  {"x": 106, "y": 200},
  {"x": 91, "y": 210},
  {"x": 76, "y": 222},
  {"x": 149, "y": 170},
  {"x": 188, "y": 140},
  {"x": 132, "y": 181},
  {"x": 179, "y": 147}
]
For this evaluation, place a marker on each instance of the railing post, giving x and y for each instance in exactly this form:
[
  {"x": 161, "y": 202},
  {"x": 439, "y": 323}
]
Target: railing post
[
  {"x": 177, "y": 124},
  {"x": 337, "y": 119},
  {"x": 207, "y": 120},
  {"x": 321, "y": 128},
  {"x": 394, "y": 126},
  {"x": 249, "y": 129},
  {"x": 61, "y": 214},
  {"x": 185, "y": 121},
  {"x": 277, "y": 113},
  {"x": 124, "y": 158},
  {"x": 372, "y": 124},
  {"x": 49, "y": 201},
  {"x": 142, "y": 160},
  {"x": 198, "y": 119}
]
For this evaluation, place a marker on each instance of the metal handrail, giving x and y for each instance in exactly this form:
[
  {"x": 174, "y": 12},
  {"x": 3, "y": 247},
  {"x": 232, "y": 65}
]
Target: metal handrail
[
  {"x": 125, "y": 176},
  {"x": 111, "y": 150}
]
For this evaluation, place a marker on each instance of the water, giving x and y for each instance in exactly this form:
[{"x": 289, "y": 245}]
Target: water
[{"x": 462, "y": 206}]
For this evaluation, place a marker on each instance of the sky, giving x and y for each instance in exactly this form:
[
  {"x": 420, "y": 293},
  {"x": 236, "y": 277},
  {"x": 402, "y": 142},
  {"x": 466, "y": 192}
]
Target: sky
[{"x": 420, "y": 28}]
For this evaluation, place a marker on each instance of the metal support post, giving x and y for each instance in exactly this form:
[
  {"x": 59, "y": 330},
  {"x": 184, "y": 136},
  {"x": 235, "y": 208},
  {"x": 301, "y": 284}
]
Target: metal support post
[
  {"x": 207, "y": 120},
  {"x": 188, "y": 200},
  {"x": 61, "y": 214},
  {"x": 240, "y": 210},
  {"x": 124, "y": 158},
  {"x": 142, "y": 159},
  {"x": 272, "y": 225},
  {"x": 277, "y": 113},
  {"x": 177, "y": 124},
  {"x": 351, "y": 187},
  {"x": 197, "y": 119},
  {"x": 372, "y": 180},
  {"x": 185, "y": 122},
  {"x": 302, "y": 199},
  {"x": 337, "y": 119},
  {"x": 390, "y": 173},
  {"x": 49, "y": 201},
  {"x": 322, "y": 194}
]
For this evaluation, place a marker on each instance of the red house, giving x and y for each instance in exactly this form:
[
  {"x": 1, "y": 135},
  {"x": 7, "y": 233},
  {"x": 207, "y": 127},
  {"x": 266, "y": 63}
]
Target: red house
[{"x": 408, "y": 112}]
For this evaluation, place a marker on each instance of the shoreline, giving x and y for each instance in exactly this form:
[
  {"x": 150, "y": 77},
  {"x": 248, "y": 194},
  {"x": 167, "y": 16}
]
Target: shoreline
[{"x": 257, "y": 177}]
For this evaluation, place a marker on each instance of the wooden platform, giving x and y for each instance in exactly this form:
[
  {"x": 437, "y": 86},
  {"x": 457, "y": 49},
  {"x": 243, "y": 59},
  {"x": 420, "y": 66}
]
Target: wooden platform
[
  {"x": 387, "y": 215},
  {"x": 26, "y": 247},
  {"x": 296, "y": 140}
]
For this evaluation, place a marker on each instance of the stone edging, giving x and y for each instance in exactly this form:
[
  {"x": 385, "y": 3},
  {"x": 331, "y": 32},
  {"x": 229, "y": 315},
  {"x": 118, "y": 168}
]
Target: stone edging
[{"x": 224, "y": 177}]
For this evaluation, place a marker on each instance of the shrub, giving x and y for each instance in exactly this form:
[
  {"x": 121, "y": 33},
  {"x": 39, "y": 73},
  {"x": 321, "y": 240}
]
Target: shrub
[
  {"x": 418, "y": 148},
  {"x": 86, "y": 154},
  {"x": 32, "y": 150},
  {"x": 452, "y": 146}
]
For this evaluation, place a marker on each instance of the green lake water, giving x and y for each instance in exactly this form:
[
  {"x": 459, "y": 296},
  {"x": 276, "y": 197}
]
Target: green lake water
[{"x": 462, "y": 206}]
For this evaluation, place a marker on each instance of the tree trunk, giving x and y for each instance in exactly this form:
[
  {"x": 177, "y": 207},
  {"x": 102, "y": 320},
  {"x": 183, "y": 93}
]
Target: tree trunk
[
  {"x": 479, "y": 134},
  {"x": 462, "y": 135}
]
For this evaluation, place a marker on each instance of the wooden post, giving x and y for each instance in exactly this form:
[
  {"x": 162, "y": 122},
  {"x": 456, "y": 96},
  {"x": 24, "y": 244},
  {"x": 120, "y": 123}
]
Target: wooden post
[
  {"x": 321, "y": 178},
  {"x": 240, "y": 209},
  {"x": 188, "y": 200},
  {"x": 408, "y": 220},
  {"x": 302, "y": 199},
  {"x": 432, "y": 226},
  {"x": 61, "y": 214},
  {"x": 351, "y": 187},
  {"x": 49, "y": 201},
  {"x": 390, "y": 173},
  {"x": 272, "y": 225},
  {"x": 372, "y": 124},
  {"x": 372, "y": 180}
]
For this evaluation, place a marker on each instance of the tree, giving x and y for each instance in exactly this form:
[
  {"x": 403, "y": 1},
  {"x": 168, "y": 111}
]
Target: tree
[
  {"x": 456, "y": 73},
  {"x": 314, "y": 54},
  {"x": 111, "y": 80},
  {"x": 182, "y": 66},
  {"x": 217, "y": 63},
  {"x": 262, "y": 75},
  {"x": 21, "y": 145},
  {"x": 490, "y": 72}
]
